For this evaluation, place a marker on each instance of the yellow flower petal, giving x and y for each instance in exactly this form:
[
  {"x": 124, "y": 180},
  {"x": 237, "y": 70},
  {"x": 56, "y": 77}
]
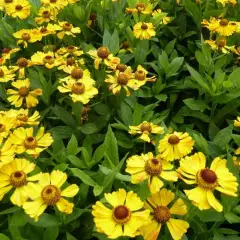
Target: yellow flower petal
[
  {"x": 58, "y": 178},
  {"x": 213, "y": 202},
  {"x": 179, "y": 207},
  {"x": 65, "y": 206},
  {"x": 177, "y": 228},
  {"x": 133, "y": 202},
  {"x": 19, "y": 197},
  {"x": 116, "y": 198},
  {"x": 155, "y": 184},
  {"x": 70, "y": 191}
]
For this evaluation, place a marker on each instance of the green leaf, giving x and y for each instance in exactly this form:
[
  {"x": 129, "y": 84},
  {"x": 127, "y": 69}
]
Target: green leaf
[
  {"x": 18, "y": 219},
  {"x": 126, "y": 114},
  {"x": 197, "y": 105},
  {"x": 137, "y": 114},
  {"x": 102, "y": 109},
  {"x": 227, "y": 231},
  {"x": 62, "y": 132},
  {"x": 76, "y": 161},
  {"x": 163, "y": 62},
  {"x": 45, "y": 220},
  {"x": 114, "y": 42},
  {"x": 210, "y": 216},
  {"x": 4, "y": 237},
  {"x": 170, "y": 46},
  {"x": 200, "y": 143},
  {"x": 232, "y": 218},
  {"x": 106, "y": 38},
  {"x": 72, "y": 147},
  {"x": 75, "y": 214},
  {"x": 89, "y": 128},
  {"x": 70, "y": 237},
  {"x": 51, "y": 233},
  {"x": 10, "y": 210},
  {"x": 223, "y": 137},
  {"x": 175, "y": 66},
  {"x": 83, "y": 176},
  {"x": 111, "y": 148}
]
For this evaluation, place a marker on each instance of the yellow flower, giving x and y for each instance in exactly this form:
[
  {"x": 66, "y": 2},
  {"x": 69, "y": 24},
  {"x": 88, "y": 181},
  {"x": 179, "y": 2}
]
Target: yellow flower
[
  {"x": 47, "y": 59},
  {"x": 23, "y": 95},
  {"x": 144, "y": 30},
  {"x": 26, "y": 141},
  {"x": 26, "y": 36},
  {"x": 124, "y": 218},
  {"x": 67, "y": 29},
  {"x": 118, "y": 81},
  {"x": 161, "y": 214},
  {"x": 47, "y": 30},
  {"x": 6, "y": 124},
  {"x": 14, "y": 175},
  {"x": 7, "y": 152},
  {"x": 237, "y": 122},
  {"x": 80, "y": 91},
  {"x": 175, "y": 146},
  {"x": 22, "y": 64},
  {"x": 22, "y": 117},
  {"x": 48, "y": 192},
  {"x": 54, "y": 4},
  {"x": 236, "y": 161},
  {"x": 77, "y": 74},
  {"x": 224, "y": 2},
  {"x": 7, "y": 52},
  {"x": 69, "y": 50},
  {"x": 6, "y": 74},
  {"x": 18, "y": 8},
  {"x": 161, "y": 16},
  {"x": 140, "y": 8},
  {"x": 103, "y": 55},
  {"x": 221, "y": 26},
  {"x": 45, "y": 15},
  {"x": 237, "y": 152},
  {"x": 193, "y": 171},
  {"x": 145, "y": 129},
  {"x": 125, "y": 47},
  {"x": 140, "y": 78},
  {"x": 5, "y": 3},
  {"x": 70, "y": 62},
  {"x": 152, "y": 168},
  {"x": 220, "y": 45}
]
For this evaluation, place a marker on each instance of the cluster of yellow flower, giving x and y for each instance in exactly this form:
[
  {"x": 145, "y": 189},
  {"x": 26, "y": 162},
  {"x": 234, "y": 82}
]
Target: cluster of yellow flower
[
  {"x": 130, "y": 217},
  {"x": 222, "y": 28}
]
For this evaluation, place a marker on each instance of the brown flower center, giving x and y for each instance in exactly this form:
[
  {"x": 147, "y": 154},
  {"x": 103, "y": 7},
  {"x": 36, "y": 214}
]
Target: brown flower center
[
  {"x": 144, "y": 26},
  {"x": 1, "y": 73},
  {"x": 48, "y": 59},
  {"x": 77, "y": 73},
  {"x": 51, "y": 195},
  {"x": 30, "y": 143},
  {"x": 22, "y": 62},
  {"x": 103, "y": 52},
  {"x": 67, "y": 27},
  {"x": 46, "y": 14},
  {"x": 70, "y": 61},
  {"x": 161, "y": 214},
  {"x": 18, "y": 179},
  {"x": 26, "y": 37},
  {"x": 78, "y": 88},
  {"x": 6, "y": 50},
  {"x": 224, "y": 22},
  {"x": 8, "y": 1},
  {"x": 2, "y": 127},
  {"x": 53, "y": 1},
  {"x": 140, "y": 75},
  {"x": 146, "y": 127},
  {"x": 22, "y": 117},
  {"x": 173, "y": 139},
  {"x": 221, "y": 42},
  {"x": 93, "y": 16},
  {"x": 121, "y": 67},
  {"x": 71, "y": 49},
  {"x": 122, "y": 79},
  {"x": 121, "y": 214},
  {"x": 153, "y": 167},
  {"x": 140, "y": 6},
  {"x": 43, "y": 30},
  {"x": 23, "y": 91},
  {"x": 125, "y": 45},
  {"x": 207, "y": 179},
  {"x": 19, "y": 7}
]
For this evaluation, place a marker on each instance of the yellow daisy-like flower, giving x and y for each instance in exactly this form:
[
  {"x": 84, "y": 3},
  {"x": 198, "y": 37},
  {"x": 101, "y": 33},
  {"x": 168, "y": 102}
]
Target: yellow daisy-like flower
[
  {"x": 54, "y": 4},
  {"x": 103, "y": 55},
  {"x": 175, "y": 146},
  {"x": 48, "y": 192},
  {"x": 70, "y": 50},
  {"x": 6, "y": 124},
  {"x": 220, "y": 45},
  {"x": 193, "y": 170},
  {"x": 145, "y": 129},
  {"x": 67, "y": 29},
  {"x": 45, "y": 15},
  {"x": 14, "y": 175},
  {"x": 4, "y": 4},
  {"x": 144, "y": 30},
  {"x": 6, "y": 74},
  {"x": 140, "y": 7},
  {"x": 80, "y": 91},
  {"x": 221, "y": 26},
  {"x": 22, "y": 117},
  {"x": 19, "y": 8},
  {"x": 47, "y": 30},
  {"x": 118, "y": 81},
  {"x": 163, "y": 19},
  {"x": 70, "y": 62},
  {"x": 237, "y": 152},
  {"x": 162, "y": 214},
  {"x": 224, "y": 2},
  {"x": 125, "y": 47},
  {"x": 236, "y": 161},
  {"x": 140, "y": 78},
  {"x": 22, "y": 65},
  {"x": 147, "y": 166},
  {"x": 237, "y": 122},
  {"x": 26, "y": 141},
  {"x": 6, "y": 54},
  {"x": 7, "y": 152},
  {"x": 46, "y": 59},
  {"x": 23, "y": 95},
  {"x": 124, "y": 218}
]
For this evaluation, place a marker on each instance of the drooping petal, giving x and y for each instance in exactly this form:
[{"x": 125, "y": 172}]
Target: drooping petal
[{"x": 177, "y": 228}]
